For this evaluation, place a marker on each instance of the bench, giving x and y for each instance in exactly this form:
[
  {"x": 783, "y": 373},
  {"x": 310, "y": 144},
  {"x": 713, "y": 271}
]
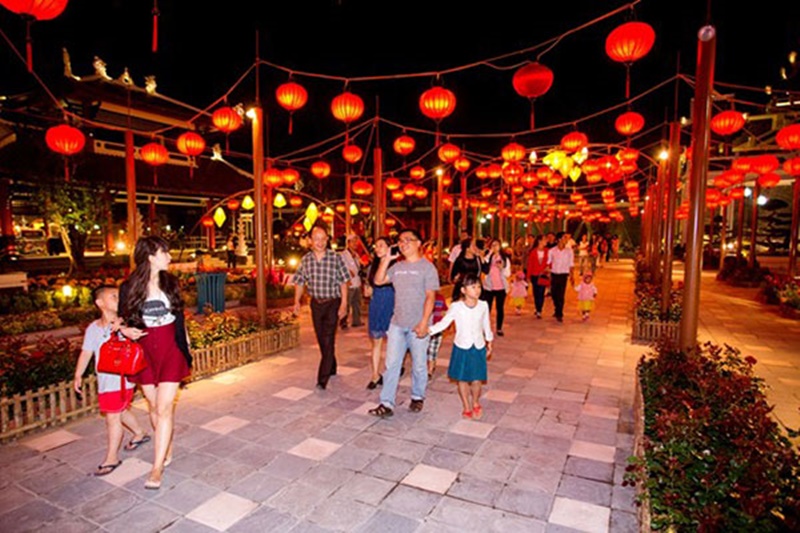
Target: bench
[{"x": 14, "y": 280}]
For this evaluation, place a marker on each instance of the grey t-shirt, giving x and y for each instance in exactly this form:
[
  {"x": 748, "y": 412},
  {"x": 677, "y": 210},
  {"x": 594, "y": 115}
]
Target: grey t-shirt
[
  {"x": 410, "y": 281},
  {"x": 94, "y": 337}
]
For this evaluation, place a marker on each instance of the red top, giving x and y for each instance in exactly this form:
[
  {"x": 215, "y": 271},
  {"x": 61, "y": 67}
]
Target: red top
[{"x": 536, "y": 267}]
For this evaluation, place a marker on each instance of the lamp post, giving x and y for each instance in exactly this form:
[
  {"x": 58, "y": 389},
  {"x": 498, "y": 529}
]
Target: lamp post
[{"x": 257, "y": 116}]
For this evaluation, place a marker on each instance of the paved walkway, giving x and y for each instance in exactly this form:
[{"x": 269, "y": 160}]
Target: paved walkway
[{"x": 258, "y": 449}]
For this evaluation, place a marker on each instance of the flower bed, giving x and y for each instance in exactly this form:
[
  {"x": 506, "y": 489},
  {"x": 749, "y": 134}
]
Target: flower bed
[
  {"x": 708, "y": 455},
  {"x": 649, "y": 325}
]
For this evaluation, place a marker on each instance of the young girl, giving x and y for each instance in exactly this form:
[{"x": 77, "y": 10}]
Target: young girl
[
  {"x": 586, "y": 293},
  {"x": 519, "y": 291},
  {"x": 472, "y": 343}
]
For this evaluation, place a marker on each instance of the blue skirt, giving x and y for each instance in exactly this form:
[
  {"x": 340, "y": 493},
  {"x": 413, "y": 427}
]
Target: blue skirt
[
  {"x": 467, "y": 365},
  {"x": 381, "y": 308}
]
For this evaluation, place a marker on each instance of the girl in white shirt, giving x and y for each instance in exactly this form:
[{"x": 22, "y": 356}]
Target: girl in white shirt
[{"x": 472, "y": 343}]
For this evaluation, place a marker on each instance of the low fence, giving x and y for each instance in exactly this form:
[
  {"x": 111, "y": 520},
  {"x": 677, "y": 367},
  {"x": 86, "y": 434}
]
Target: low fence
[
  {"x": 654, "y": 331},
  {"x": 59, "y": 403}
]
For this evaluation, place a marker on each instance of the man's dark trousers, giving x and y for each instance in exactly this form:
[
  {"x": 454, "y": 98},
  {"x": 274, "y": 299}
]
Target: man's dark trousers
[
  {"x": 558, "y": 289},
  {"x": 325, "y": 316}
]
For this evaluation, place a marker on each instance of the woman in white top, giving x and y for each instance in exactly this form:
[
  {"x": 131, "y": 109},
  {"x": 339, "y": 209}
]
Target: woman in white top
[
  {"x": 583, "y": 253},
  {"x": 472, "y": 343}
]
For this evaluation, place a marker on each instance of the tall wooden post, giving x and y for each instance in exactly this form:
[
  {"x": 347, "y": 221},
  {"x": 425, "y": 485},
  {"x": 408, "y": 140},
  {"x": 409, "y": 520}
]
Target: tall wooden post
[
  {"x": 751, "y": 260},
  {"x": 462, "y": 223},
  {"x": 258, "y": 213},
  {"x": 701, "y": 116},
  {"x": 793, "y": 232},
  {"x": 130, "y": 190},
  {"x": 658, "y": 218},
  {"x": 348, "y": 218},
  {"x": 723, "y": 234},
  {"x": 740, "y": 227},
  {"x": 379, "y": 201},
  {"x": 669, "y": 226},
  {"x": 439, "y": 222},
  {"x": 109, "y": 225}
]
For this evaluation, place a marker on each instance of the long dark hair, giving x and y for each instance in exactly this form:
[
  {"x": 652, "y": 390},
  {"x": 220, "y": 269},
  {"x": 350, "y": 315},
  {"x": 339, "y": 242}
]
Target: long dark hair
[
  {"x": 376, "y": 261},
  {"x": 464, "y": 281},
  {"x": 140, "y": 277}
]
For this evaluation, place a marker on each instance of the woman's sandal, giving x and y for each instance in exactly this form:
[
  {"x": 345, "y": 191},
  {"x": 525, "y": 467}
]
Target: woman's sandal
[
  {"x": 153, "y": 484},
  {"x": 104, "y": 470},
  {"x": 477, "y": 412},
  {"x": 135, "y": 443},
  {"x": 466, "y": 414}
]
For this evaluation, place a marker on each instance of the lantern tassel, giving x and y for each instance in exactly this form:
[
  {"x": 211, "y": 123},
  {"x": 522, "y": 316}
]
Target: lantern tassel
[
  {"x": 290, "y": 124},
  {"x": 191, "y": 167},
  {"x": 155, "y": 178},
  {"x": 28, "y": 46},
  {"x": 532, "y": 120},
  {"x": 627, "y": 82},
  {"x": 155, "y": 26},
  {"x": 66, "y": 170}
]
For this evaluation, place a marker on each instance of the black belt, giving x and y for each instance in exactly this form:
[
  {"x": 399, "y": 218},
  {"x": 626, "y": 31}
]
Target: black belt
[{"x": 324, "y": 300}]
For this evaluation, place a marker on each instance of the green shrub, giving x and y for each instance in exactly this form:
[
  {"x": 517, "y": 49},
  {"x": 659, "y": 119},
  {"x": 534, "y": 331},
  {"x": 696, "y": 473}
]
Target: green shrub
[{"x": 47, "y": 362}]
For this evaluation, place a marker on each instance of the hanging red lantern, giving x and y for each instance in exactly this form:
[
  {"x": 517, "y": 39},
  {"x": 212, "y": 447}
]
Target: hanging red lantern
[
  {"x": 207, "y": 221},
  {"x": 737, "y": 193},
  {"x": 154, "y": 154},
  {"x": 362, "y": 188},
  {"x": 34, "y": 10},
  {"x": 513, "y": 152},
  {"x": 628, "y": 43},
  {"x": 727, "y": 122},
  {"x": 291, "y": 96},
  {"x": 421, "y": 193},
  {"x": 233, "y": 204},
  {"x": 417, "y": 172},
  {"x": 628, "y": 155},
  {"x": 347, "y": 107},
  {"x": 788, "y": 137},
  {"x": 409, "y": 189},
  {"x": 768, "y": 180},
  {"x": 574, "y": 141},
  {"x": 629, "y": 123},
  {"x": 226, "y": 119},
  {"x": 392, "y": 184},
  {"x": 449, "y": 152},
  {"x": 352, "y": 153},
  {"x": 792, "y": 166},
  {"x": 390, "y": 222},
  {"x": 191, "y": 144},
  {"x": 495, "y": 170},
  {"x": 295, "y": 201},
  {"x": 404, "y": 145},
  {"x": 764, "y": 164},
  {"x": 482, "y": 172},
  {"x": 398, "y": 196},
  {"x": 290, "y": 176},
  {"x": 529, "y": 180},
  {"x": 437, "y": 103},
  {"x": 462, "y": 164},
  {"x": 320, "y": 169},
  {"x": 65, "y": 140},
  {"x": 273, "y": 177},
  {"x": 742, "y": 164},
  {"x": 532, "y": 81}
]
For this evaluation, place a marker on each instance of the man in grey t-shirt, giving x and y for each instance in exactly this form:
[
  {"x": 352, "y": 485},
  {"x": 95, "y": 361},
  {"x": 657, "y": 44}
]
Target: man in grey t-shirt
[{"x": 415, "y": 282}]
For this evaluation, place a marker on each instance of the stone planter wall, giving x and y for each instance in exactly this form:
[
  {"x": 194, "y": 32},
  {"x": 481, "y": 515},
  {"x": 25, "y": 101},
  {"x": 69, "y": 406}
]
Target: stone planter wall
[{"x": 643, "y": 512}]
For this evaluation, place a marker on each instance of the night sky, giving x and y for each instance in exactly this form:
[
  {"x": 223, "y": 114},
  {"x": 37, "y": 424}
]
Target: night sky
[{"x": 205, "y": 48}]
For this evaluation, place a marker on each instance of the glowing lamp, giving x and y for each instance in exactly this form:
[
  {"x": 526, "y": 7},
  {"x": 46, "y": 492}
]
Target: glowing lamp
[
  {"x": 404, "y": 145},
  {"x": 347, "y": 107},
  {"x": 513, "y": 152},
  {"x": 727, "y": 122},
  {"x": 154, "y": 154},
  {"x": 320, "y": 169},
  {"x": 392, "y": 184},
  {"x": 768, "y": 180},
  {"x": 788, "y": 137},
  {"x": 417, "y": 172},
  {"x": 629, "y": 123},
  {"x": 191, "y": 144},
  {"x": 352, "y": 153},
  {"x": 273, "y": 177},
  {"x": 226, "y": 119},
  {"x": 290, "y": 176},
  {"x": 462, "y": 164},
  {"x": 65, "y": 139},
  {"x": 449, "y": 152},
  {"x": 437, "y": 103}
]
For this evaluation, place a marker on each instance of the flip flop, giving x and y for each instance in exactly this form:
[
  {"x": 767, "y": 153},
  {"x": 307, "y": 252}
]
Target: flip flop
[
  {"x": 104, "y": 470},
  {"x": 134, "y": 444}
]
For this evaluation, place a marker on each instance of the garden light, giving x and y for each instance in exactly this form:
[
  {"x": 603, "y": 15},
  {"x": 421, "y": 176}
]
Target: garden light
[
  {"x": 67, "y": 291},
  {"x": 761, "y": 200}
]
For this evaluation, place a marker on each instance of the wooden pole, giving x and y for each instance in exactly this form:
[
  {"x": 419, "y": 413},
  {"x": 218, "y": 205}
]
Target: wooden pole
[
  {"x": 701, "y": 116},
  {"x": 793, "y": 232},
  {"x": 462, "y": 224},
  {"x": 439, "y": 222},
  {"x": 130, "y": 189},
  {"x": 751, "y": 260},
  {"x": 723, "y": 234},
  {"x": 258, "y": 213},
  {"x": 379, "y": 201},
  {"x": 740, "y": 227},
  {"x": 669, "y": 226}
]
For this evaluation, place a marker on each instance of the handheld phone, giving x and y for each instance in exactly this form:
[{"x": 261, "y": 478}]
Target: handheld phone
[{"x": 394, "y": 250}]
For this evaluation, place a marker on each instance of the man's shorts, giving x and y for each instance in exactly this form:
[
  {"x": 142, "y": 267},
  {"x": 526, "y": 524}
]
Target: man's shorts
[{"x": 114, "y": 402}]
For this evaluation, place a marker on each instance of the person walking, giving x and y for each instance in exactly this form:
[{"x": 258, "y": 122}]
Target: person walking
[
  {"x": 150, "y": 300},
  {"x": 469, "y": 260},
  {"x": 587, "y": 291},
  {"x": 230, "y": 250},
  {"x": 472, "y": 344},
  {"x": 352, "y": 260},
  {"x": 325, "y": 275},
  {"x": 497, "y": 267},
  {"x": 519, "y": 291},
  {"x": 114, "y": 403},
  {"x": 583, "y": 253},
  {"x": 415, "y": 281},
  {"x": 560, "y": 263},
  {"x": 381, "y": 307},
  {"x": 537, "y": 272}
]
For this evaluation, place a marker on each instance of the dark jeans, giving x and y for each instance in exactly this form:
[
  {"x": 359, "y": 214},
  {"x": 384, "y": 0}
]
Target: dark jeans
[
  {"x": 500, "y": 296},
  {"x": 558, "y": 289},
  {"x": 538, "y": 293},
  {"x": 325, "y": 316}
]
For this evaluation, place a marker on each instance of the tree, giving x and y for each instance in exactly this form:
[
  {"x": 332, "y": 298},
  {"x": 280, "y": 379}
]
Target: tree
[{"x": 76, "y": 210}]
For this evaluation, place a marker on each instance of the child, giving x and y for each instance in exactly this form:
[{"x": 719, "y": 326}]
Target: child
[
  {"x": 519, "y": 291},
  {"x": 439, "y": 310},
  {"x": 113, "y": 404},
  {"x": 472, "y": 343},
  {"x": 586, "y": 293}
]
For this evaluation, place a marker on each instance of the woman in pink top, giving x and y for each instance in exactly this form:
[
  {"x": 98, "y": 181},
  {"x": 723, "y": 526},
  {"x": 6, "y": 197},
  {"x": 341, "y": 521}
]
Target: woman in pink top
[{"x": 497, "y": 267}]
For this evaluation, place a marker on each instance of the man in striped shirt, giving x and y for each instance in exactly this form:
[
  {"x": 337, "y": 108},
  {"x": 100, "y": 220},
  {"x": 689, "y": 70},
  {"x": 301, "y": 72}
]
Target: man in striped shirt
[{"x": 325, "y": 275}]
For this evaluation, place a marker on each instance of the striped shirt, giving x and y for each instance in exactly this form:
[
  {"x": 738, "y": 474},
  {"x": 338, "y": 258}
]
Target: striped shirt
[{"x": 324, "y": 277}]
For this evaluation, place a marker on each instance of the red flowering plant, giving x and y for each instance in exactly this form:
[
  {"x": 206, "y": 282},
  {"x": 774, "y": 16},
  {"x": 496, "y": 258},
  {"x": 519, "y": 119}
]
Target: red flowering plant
[
  {"x": 714, "y": 459},
  {"x": 24, "y": 367}
]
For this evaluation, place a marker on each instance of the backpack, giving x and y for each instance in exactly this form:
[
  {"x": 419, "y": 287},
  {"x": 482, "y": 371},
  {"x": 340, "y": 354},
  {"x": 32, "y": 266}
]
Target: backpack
[{"x": 439, "y": 308}]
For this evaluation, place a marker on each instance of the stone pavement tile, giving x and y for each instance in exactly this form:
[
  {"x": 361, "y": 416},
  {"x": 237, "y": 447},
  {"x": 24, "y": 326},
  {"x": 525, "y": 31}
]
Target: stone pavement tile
[
  {"x": 351, "y": 458},
  {"x": 581, "y": 516},
  {"x": 589, "y": 469},
  {"x": 430, "y": 478},
  {"x": 77, "y": 450},
  {"x": 403, "y": 449},
  {"x": 73, "y": 494},
  {"x": 253, "y": 455},
  {"x": 488, "y": 468},
  {"x": 12, "y": 496},
  {"x": 492, "y": 449},
  {"x": 444, "y": 458},
  {"x": 585, "y": 490},
  {"x": 524, "y": 423},
  {"x": 497, "y": 395},
  {"x": 293, "y": 393},
  {"x": 222, "y": 511},
  {"x": 533, "y": 503},
  {"x": 589, "y": 450},
  {"x": 520, "y": 372},
  {"x": 364, "y": 488},
  {"x": 50, "y": 440},
  {"x": 461, "y": 443},
  {"x": 607, "y": 437},
  {"x": 29, "y": 517},
  {"x": 600, "y": 411},
  {"x": 472, "y": 428},
  {"x": 222, "y": 446},
  {"x": 146, "y": 517},
  {"x": 225, "y": 424},
  {"x": 223, "y": 474},
  {"x": 194, "y": 415},
  {"x": 193, "y": 437},
  {"x": 388, "y": 467},
  {"x": 297, "y": 499},
  {"x": 287, "y": 466},
  {"x": 550, "y": 427},
  {"x": 424, "y": 435},
  {"x": 191, "y": 463},
  {"x": 535, "y": 477},
  {"x": 337, "y": 514},
  {"x": 510, "y": 436},
  {"x": 69, "y": 523},
  {"x": 463, "y": 515},
  {"x": 304, "y": 526},
  {"x": 107, "y": 506},
  {"x": 568, "y": 395},
  {"x": 389, "y": 522},
  {"x": 185, "y": 496},
  {"x": 476, "y": 490},
  {"x": 258, "y": 486},
  {"x": 411, "y": 501},
  {"x": 326, "y": 477},
  {"x": 263, "y": 520},
  {"x": 185, "y": 525},
  {"x": 314, "y": 449},
  {"x": 624, "y": 522},
  {"x": 54, "y": 478}
]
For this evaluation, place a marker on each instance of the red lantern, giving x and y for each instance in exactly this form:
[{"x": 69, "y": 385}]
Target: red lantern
[
  {"x": 764, "y": 164},
  {"x": 291, "y": 96},
  {"x": 207, "y": 222},
  {"x": 627, "y": 43},
  {"x": 65, "y": 139},
  {"x": 290, "y": 176},
  {"x": 417, "y": 172},
  {"x": 727, "y": 122},
  {"x": 788, "y": 137},
  {"x": 792, "y": 166},
  {"x": 409, "y": 189},
  {"x": 768, "y": 180},
  {"x": 352, "y": 153},
  {"x": 295, "y": 201},
  {"x": 398, "y": 196},
  {"x": 362, "y": 188},
  {"x": 191, "y": 144},
  {"x": 404, "y": 145},
  {"x": 154, "y": 154},
  {"x": 321, "y": 169},
  {"x": 574, "y": 141},
  {"x": 421, "y": 193},
  {"x": 437, "y": 103},
  {"x": 532, "y": 81},
  {"x": 742, "y": 164},
  {"x": 390, "y": 222},
  {"x": 392, "y": 184},
  {"x": 34, "y": 10},
  {"x": 347, "y": 107},
  {"x": 233, "y": 204},
  {"x": 629, "y": 123},
  {"x": 513, "y": 152},
  {"x": 226, "y": 119},
  {"x": 273, "y": 177},
  {"x": 737, "y": 193},
  {"x": 449, "y": 152},
  {"x": 462, "y": 164}
]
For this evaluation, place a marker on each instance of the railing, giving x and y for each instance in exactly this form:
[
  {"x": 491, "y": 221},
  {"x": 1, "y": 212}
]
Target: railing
[
  {"x": 59, "y": 403},
  {"x": 654, "y": 331}
]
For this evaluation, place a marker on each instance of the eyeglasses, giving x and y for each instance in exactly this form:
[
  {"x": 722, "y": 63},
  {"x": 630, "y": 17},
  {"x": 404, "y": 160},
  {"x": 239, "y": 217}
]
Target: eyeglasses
[{"x": 406, "y": 241}]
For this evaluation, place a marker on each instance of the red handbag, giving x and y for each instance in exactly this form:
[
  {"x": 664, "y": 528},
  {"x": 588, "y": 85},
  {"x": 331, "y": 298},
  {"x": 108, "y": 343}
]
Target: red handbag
[
  {"x": 120, "y": 355},
  {"x": 543, "y": 281}
]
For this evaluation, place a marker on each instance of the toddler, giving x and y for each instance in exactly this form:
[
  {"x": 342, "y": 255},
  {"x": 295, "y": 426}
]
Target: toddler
[
  {"x": 519, "y": 291},
  {"x": 587, "y": 291}
]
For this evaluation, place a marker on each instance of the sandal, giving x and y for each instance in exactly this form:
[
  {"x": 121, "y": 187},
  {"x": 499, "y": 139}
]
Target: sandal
[
  {"x": 466, "y": 414},
  {"x": 104, "y": 470},
  {"x": 134, "y": 444},
  {"x": 416, "y": 406},
  {"x": 381, "y": 411},
  {"x": 477, "y": 412}
]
